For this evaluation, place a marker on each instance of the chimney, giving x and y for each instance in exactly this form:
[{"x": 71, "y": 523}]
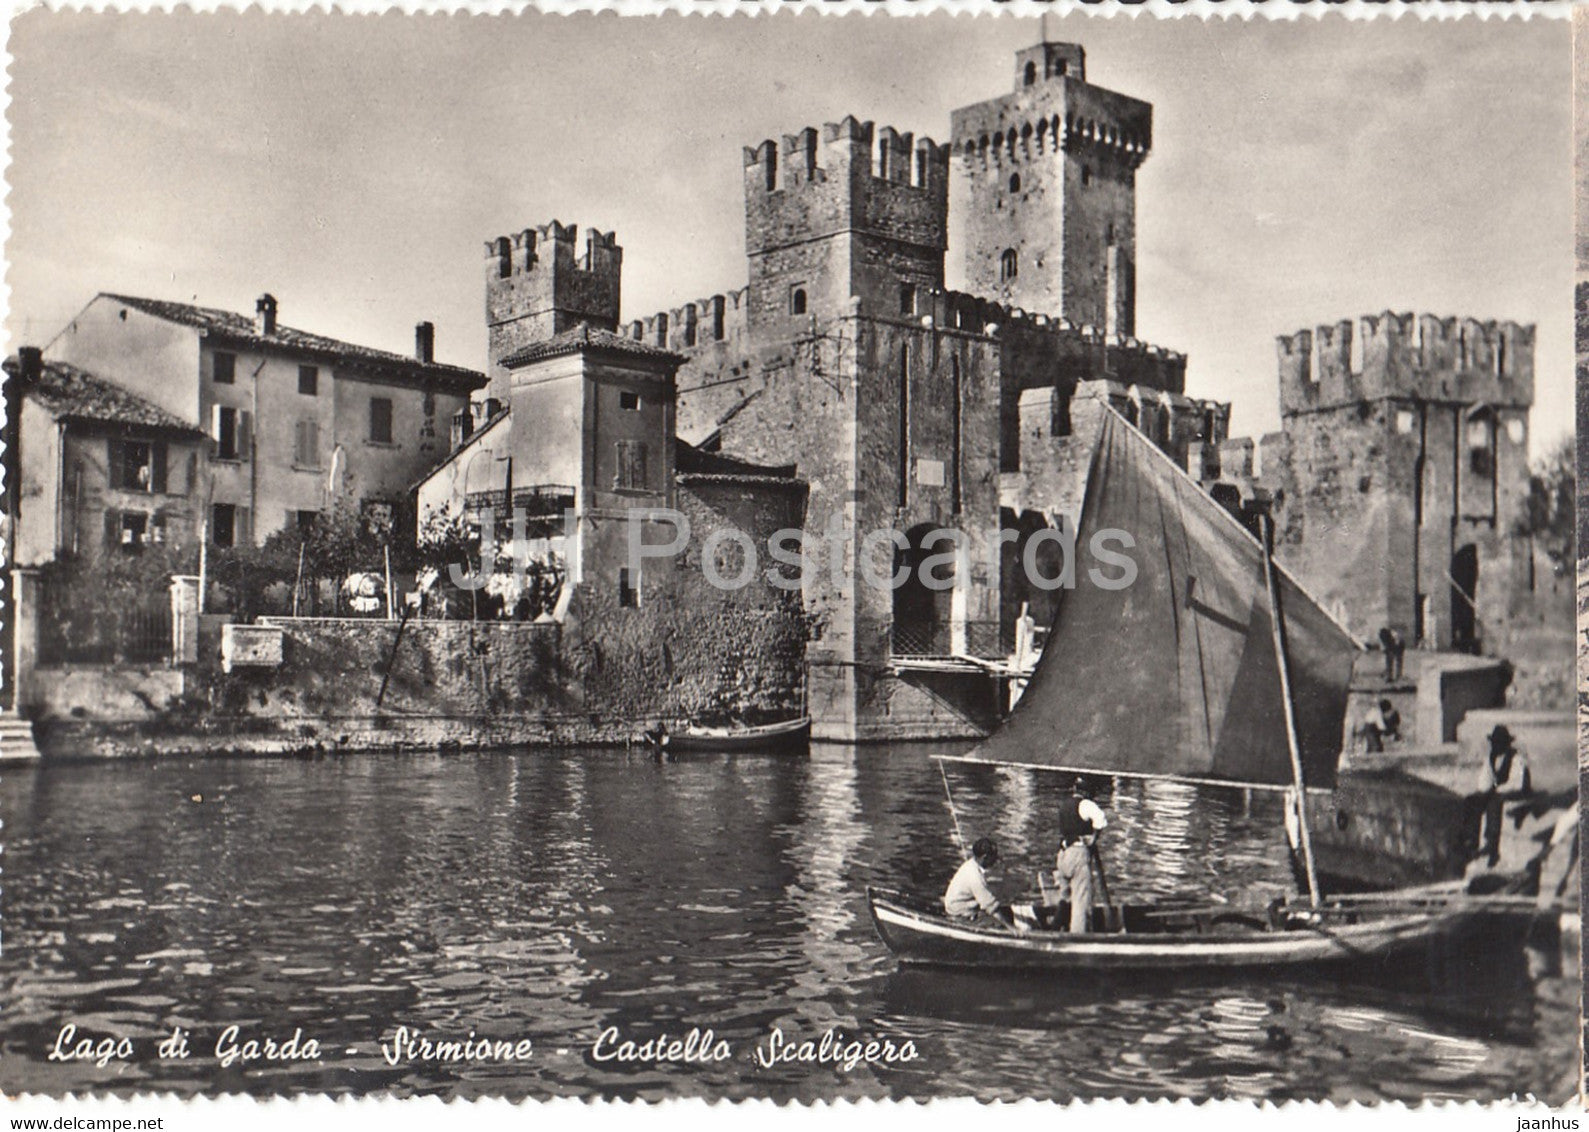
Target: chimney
[
  {"x": 265, "y": 314},
  {"x": 425, "y": 341},
  {"x": 30, "y": 361}
]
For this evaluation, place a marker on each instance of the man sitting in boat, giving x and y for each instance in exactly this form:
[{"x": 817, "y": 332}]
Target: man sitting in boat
[
  {"x": 968, "y": 897},
  {"x": 1080, "y": 820}
]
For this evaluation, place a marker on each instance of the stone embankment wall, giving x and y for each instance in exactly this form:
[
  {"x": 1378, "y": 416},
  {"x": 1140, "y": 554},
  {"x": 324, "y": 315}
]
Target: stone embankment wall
[{"x": 453, "y": 685}]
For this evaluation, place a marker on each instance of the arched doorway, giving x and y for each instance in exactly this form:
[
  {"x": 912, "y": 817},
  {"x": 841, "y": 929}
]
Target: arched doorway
[
  {"x": 1464, "y": 592},
  {"x": 921, "y": 614}
]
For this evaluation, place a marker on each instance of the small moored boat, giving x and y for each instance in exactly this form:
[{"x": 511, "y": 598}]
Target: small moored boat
[{"x": 786, "y": 734}]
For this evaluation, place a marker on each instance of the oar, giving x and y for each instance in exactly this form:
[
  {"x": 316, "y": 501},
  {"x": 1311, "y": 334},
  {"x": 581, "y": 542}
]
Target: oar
[{"x": 1103, "y": 888}]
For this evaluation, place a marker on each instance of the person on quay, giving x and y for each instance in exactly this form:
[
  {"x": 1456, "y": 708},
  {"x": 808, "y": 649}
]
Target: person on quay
[
  {"x": 968, "y": 898},
  {"x": 1504, "y": 777},
  {"x": 1395, "y": 647},
  {"x": 1080, "y": 821},
  {"x": 1383, "y": 725}
]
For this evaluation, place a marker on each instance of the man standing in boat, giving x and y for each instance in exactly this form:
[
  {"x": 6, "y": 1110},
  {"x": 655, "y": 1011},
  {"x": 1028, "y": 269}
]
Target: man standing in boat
[
  {"x": 1080, "y": 821},
  {"x": 969, "y": 897}
]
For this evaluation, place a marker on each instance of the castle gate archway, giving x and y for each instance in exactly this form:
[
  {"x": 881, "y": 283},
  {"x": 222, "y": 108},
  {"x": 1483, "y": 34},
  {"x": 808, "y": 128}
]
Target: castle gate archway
[{"x": 922, "y": 615}]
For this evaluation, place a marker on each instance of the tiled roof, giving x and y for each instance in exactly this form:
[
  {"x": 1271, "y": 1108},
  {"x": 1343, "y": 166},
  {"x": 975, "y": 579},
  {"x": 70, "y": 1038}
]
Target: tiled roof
[
  {"x": 72, "y": 394},
  {"x": 585, "y": 338},
  {"x": 241, "y": 329},
  {"x": 473, "y": 438}
]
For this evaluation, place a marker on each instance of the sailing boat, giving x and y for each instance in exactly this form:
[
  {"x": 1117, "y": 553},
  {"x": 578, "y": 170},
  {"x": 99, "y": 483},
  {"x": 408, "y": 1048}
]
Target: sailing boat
[{"x": 1213, "y": 666}]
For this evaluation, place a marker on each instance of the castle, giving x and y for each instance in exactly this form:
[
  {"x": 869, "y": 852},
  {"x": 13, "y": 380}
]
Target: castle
[
  {"x": 899, "y": 406},
  {"x": 1399, "y": 482}
]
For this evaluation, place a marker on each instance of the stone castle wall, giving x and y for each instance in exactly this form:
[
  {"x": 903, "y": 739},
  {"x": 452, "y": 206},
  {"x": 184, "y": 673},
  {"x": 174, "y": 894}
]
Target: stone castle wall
[{"x": 1404, "y": 454}]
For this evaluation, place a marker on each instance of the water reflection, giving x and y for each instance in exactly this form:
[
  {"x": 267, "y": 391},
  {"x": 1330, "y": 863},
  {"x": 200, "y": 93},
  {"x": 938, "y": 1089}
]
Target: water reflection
[{"x": 551, "y": 894}]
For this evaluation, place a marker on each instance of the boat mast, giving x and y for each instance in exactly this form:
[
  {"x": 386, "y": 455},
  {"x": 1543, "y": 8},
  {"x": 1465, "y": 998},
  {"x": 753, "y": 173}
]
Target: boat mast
[
  {"x": 960, "y": 838},
  {"x": 1272, "y": 583}
]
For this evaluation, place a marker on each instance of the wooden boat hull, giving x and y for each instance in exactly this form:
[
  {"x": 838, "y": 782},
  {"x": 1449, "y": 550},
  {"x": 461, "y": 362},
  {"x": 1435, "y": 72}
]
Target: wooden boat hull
[
  {"x": 917, "y": 935},
  {"x": 787, "y": 735}
]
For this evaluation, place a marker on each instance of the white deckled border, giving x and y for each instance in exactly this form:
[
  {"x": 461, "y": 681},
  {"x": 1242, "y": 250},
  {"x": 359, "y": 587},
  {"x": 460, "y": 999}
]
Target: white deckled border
[
  {"x": 1028, "y": 9},
  {"x": 592, "y": 1114},
  {"x": 422, "y": 1114}
]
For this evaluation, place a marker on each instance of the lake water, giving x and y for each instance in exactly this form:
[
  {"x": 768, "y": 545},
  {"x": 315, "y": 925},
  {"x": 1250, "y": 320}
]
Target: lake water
[{"x": 550, "y": 895}]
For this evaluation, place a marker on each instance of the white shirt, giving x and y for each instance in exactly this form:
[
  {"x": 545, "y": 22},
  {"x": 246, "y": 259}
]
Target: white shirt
[
  {"x": 969, "y": 891},
  {"x": 1093, "y": 813}
]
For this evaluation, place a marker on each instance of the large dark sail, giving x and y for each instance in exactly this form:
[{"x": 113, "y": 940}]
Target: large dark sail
[{"x": 1175, "y": 675}]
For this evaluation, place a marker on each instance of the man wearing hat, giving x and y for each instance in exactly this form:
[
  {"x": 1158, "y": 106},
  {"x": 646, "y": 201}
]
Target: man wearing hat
[
  {"x": 969, "y": 897},
  {"x": 1505, "y": 775},
  {"x": 1080, "y": 820}
]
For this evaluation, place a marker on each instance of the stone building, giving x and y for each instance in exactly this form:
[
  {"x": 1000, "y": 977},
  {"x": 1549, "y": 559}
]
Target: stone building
[
  {"x": 294, "y": 419},
  {"x": 906, "y": 409},
  {"x": 101, "y": 469},
  {"x": 1400, "y": 479},
  {"x": 573, "y": 459},
  {"x": 1050, "y": 191}
]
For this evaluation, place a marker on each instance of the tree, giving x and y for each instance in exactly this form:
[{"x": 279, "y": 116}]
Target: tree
[
  {"x": 247, "y": 573},
  {"x": 447, "y": 540},
  {"x": 1550, "y": 517},
  {"x": 93, "y": 604}
]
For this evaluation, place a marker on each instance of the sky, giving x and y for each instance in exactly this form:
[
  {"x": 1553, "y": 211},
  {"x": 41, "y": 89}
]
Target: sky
[{"x": 354, "y": 166}]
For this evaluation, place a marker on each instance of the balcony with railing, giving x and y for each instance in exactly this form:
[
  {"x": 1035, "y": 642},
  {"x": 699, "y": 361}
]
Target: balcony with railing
[
  {"x": 542, "y": 506},
  {"x": 981, "y": 639}
]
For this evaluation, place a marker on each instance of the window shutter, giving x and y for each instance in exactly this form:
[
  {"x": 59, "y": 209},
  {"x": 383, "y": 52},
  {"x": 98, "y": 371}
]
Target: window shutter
[
  {"x": 243, "y": 527},
  {"x": 215, "y": 423},
  {"x": 157, "y": 469},
  {"x": 112, "y": 527},
  {"x": 245, "y": 435},
  {"x": 306, "y": 451},
  {"x": 632, "y": 465},
  {"x": 115, "y": 464}
]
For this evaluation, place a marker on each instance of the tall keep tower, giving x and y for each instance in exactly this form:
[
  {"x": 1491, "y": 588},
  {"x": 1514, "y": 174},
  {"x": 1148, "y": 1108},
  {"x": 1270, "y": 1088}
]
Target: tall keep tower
[
  {"x": 537, "y": 287},
  {"x": 847, "y": 212},
  {"x": 1048, "y": 177}
]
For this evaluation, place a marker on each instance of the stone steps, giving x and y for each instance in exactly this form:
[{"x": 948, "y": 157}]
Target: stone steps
[{"x": 16, "y": 740}]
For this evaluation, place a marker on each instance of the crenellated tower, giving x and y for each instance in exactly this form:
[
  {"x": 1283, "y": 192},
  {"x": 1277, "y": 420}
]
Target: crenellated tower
[
  {"x": 538, "y": 285},
  {"x": 1403, "y": 472},
  {"x": 1047, "y": 175},
  {"x": 847, "y": 212}
]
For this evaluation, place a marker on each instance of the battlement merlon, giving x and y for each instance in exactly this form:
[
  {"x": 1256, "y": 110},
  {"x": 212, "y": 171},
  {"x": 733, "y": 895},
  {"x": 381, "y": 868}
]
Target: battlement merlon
[
  {"x": 974, "y": 314},
  {"x": 540, "y": 280},
  {"x": 1042, "y": 119},
  {"x": 849, "y": 153},
  {"x": 1416, "y": 357},
  {"x": 959, "y": 310},
  {"x": 1252, "y": 466},
  {"x": 525, "y": 250},
  {"x": 693, "y": 325}
]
